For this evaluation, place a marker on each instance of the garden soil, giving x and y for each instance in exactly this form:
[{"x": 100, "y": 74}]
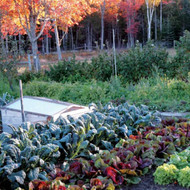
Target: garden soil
[{"x": 147, "y": 183}]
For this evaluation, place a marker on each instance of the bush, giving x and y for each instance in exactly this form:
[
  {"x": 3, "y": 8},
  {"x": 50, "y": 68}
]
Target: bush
[
  {"x": 68, "y": 71},
  {"x": 100, "y": 68},
  {"x": 141, "y": 63},
  {"x": 28, "y": 76},
  {"x": 5, "y": 86},
  {"x": 180, "y": 64}
]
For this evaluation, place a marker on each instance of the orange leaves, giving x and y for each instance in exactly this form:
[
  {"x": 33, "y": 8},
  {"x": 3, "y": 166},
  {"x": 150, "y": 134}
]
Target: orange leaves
[
  {"x": 70, "y": 12},
  {"x": 111, "y": 9}
]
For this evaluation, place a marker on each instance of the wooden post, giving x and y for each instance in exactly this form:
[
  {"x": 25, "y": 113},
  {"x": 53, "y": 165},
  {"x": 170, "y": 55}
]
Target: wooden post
[
  {"x": 21, "y": 101},
  {"x": 114, "y": 54}
]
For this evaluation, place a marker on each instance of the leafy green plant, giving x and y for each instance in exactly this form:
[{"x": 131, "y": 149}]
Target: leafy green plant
[
  {"x": 5, "y": 99},
  {"x": 184, "y": 177},
  {"x": 23, "y": 158},
  {"x": 181, "y": 160},
  {"x": 165, "y": 174}
]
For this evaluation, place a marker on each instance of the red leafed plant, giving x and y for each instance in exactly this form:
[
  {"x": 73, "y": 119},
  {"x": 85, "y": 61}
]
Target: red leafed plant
[
  {"x": 38, "y": 185},
  {"x": 76, "y": 167},
  {"x": 114, "y": 175},
  {"x": 95, "y": 182}
]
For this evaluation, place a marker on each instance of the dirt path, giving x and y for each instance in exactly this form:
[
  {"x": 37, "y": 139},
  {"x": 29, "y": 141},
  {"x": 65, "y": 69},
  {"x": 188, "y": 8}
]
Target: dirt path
[{"x": 147, "y": 183}]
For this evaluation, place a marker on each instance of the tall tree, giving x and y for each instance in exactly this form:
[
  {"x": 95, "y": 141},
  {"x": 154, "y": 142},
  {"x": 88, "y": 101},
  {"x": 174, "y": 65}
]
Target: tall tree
[
  {"x": 102, "y": 9},
  {"x": 150, "y": 6},
  {"x": 109, "y": 11},
  {"x": 129, "y": 11},
  {"x": 67, "y": 13},
  {"x": 33, "y": 16},
  {"x": 161, "y": 16}
]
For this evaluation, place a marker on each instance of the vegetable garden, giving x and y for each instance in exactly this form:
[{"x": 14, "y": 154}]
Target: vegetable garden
[{"x": 110, "y": 148}]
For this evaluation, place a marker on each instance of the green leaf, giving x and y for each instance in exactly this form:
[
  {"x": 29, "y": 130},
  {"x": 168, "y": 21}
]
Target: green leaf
[
  {"x": 133, "y": 180},
  {"x": 84, "y": 144},
  {"x": 99, "y": 163},
  {"x": 2, "y": 158},
  {"x": 106, "y": 145},
  {"x": 17, "y": 177},
  {"x": 66, "y": 139},
  {"x": 159, "y": 161},
  {"x": 33, "y": 174}
]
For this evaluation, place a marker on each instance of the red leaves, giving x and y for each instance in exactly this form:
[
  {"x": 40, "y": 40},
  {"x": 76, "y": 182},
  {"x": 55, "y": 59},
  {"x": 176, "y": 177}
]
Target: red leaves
[
  {"x": 95, "y": 182},
  {"x": 76, "y": 167},
  {"x": 129, "y": 10},
  {"x": 38, "y": 185},
  {"x": 62, "y": 188},
  {"x": 92, "y": 172},
  {"x": 133, "y": 137},
  {"x": 114, "y": 175}
]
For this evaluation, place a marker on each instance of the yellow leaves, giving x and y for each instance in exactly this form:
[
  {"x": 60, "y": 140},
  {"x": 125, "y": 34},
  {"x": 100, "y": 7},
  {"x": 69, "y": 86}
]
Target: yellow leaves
[
  {"x": 128, "y": 171},
  {"x": 110, "y": 187},
  {"x": 153, "y": 3}
]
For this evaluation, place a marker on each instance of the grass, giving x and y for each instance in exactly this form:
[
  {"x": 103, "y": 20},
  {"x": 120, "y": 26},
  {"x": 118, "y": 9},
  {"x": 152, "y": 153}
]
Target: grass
[
  {"x": 4, "y": 87},
  {"x": 158, "y": 93}
]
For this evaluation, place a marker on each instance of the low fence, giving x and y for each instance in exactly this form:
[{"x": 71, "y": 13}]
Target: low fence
[{"x": 27, "y": 62}]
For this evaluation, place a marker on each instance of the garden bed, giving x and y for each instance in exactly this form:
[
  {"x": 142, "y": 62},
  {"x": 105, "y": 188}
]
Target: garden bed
[{"x": 110, "y": 148}]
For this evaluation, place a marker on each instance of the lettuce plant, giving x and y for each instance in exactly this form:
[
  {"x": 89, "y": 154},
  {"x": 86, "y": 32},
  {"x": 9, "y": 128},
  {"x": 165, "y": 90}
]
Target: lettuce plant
[
  {"x": 184, "y": 177},
  {"x": 165, "y": 174}
]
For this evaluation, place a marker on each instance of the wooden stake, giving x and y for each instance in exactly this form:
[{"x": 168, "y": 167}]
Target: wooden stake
[
  {"x": 114, "y": 54},
  {"x": 21, "y": 101}
]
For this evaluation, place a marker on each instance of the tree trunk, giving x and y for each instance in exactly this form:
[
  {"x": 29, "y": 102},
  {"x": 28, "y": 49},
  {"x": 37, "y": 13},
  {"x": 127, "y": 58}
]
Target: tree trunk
[
  {"x": 72, "y": 39},
  {"x": 102, "y": 24},
  {"x": 20, "y": 44},
  {"x": 161, "y": 18},
  {"x": 43, "y": 44},
  {"x": 149, "y": 30},
  {"x": 16, "y": 45},
  {"x": 57, "y": 43},
  {"x": 143, "y": 30},
  {"x": 33, "y": 40},
  {"x": 3, "y": 45},
  {"x": 47, "y": 44},
  {"x": 65, "y": 40},
  {"x": 131, "y": 40},
  {"x": 155, "y": 24},
  {"x": 150, "y": 12},
  {"x": 7, "y": 44},
  {"x": 77, "y": 37},
  {"x": 89, "y": 36},
  {"x": 35, "y": 55}
]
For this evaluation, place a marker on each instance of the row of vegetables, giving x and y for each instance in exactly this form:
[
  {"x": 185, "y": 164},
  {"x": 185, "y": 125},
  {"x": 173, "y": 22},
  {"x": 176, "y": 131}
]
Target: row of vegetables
[{"x": 111, "y": 147}]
